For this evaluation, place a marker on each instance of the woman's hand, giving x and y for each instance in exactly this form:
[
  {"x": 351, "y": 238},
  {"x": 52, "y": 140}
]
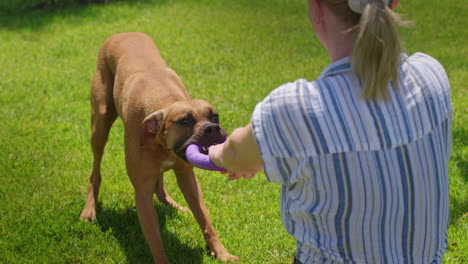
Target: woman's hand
[
  {"x": 239, "y": 155},
  {"x": 216, "y": 152}
]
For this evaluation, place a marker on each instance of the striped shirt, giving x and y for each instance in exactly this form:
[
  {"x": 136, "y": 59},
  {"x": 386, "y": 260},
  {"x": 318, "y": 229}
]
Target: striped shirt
[{"x": 362, "y": 181}]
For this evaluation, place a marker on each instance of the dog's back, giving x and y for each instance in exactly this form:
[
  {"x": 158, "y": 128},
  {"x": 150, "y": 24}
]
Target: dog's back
[
  {"x": 131, "y": 61},
  {"x": 132, "y": 52}
]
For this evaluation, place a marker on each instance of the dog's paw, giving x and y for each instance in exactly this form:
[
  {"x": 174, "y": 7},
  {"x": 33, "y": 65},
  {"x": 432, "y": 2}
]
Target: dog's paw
[
  {"x": 225, "y": 257},
  {"x": 229, "y": 259},
  {"x": 88, "y": 214}
]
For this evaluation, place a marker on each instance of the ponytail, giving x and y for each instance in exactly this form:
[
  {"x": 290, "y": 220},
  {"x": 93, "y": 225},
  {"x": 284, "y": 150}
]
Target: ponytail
[{"x": 377, "y": 48}]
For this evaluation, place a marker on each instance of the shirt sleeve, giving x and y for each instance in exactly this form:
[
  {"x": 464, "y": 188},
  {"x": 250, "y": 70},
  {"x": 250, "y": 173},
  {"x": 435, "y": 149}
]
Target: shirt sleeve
[{"x": 268, "y": 124}]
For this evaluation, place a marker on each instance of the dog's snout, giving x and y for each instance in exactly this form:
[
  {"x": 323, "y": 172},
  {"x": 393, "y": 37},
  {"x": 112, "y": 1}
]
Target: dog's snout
[{"x": 212, "y": 130}]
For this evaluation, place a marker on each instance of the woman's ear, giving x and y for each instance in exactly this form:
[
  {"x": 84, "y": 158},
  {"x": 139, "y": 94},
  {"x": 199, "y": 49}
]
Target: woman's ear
[{"x": 315, "y": 12}]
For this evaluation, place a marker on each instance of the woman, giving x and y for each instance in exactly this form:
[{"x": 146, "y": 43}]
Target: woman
[{"x": 361, "y": 152}]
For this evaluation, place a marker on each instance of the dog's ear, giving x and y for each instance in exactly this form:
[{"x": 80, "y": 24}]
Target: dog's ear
[{"x": 152, "y": 125}]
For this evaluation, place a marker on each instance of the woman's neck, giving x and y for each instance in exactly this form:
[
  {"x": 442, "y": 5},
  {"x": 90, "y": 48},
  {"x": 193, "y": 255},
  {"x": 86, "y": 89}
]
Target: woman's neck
[
  {"x": 338, "y": 39},
  {"x": 340, "y": 46}
]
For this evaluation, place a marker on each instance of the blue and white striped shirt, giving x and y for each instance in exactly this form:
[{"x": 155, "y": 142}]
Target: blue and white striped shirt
[{"x": 362, "y": 181}]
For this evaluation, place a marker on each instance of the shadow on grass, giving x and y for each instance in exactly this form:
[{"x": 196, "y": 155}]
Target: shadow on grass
[
  {"x": 460, "y": 141},
  {"x": 124, "y": 225},
  {"x": 37, "y": 16}
]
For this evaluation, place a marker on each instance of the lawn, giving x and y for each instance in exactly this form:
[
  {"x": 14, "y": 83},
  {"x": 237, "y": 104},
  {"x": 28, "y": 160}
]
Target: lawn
[{"x": 231, "y": 53}]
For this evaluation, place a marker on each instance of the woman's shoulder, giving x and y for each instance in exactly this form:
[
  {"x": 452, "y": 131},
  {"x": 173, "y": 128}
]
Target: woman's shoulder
[
  {"x": 294, "y": 89},
  {"x": 422, "y": 57},
  {"x": 426, "y": 62}
]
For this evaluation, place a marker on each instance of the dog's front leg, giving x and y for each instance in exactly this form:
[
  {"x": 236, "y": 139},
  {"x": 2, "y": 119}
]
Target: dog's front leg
[
  {"x": 191, "y": 190},
  {"x": 149, "y": 223},
  {"x": 143, "y": 172}
]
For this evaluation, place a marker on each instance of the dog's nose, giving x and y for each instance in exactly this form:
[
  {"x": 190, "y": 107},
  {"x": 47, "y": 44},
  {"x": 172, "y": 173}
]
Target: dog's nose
[{"x": 211, "y": 130}]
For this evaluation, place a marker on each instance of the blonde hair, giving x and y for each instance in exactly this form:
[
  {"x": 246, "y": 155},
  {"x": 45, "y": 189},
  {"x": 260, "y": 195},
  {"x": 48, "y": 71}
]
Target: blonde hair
[{"x": 376, "y": 53}]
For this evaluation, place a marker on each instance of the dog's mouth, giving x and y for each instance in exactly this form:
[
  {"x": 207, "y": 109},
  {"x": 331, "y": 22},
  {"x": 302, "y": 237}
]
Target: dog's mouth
[
  {"x": 203, "y": 143},
  {"x": 181, "y": 147},
  {"x": 204, "y": 136}
]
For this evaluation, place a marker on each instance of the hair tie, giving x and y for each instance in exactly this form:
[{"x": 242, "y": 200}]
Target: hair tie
[{"x": 358, "y": 5}]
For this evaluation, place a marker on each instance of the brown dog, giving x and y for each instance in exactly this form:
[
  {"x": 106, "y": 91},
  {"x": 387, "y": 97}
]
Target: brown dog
[{"x": 133, "y": 81}]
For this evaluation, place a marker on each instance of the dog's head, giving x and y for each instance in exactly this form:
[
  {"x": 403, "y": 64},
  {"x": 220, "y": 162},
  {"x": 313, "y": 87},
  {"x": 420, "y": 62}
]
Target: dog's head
[{"x": 181, "y": 124}]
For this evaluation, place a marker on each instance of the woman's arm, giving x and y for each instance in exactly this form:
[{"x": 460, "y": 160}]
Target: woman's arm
[{"x": 239, "y": 155}]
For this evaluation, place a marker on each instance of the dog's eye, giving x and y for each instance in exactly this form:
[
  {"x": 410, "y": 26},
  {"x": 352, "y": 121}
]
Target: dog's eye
[
  {"x": 186, "y": 121},
  {"x": 214, "y": 118}
]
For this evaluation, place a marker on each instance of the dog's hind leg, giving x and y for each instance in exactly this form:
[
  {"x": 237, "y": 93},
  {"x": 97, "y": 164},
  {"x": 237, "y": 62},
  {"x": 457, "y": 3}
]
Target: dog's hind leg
[
  {"x": 164, "y": 197},
  {"x": 103, "y": 115}
]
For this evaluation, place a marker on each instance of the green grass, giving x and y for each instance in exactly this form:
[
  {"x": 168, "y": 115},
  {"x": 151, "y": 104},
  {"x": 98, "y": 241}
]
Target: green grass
[{"x": 231, "y": 53}]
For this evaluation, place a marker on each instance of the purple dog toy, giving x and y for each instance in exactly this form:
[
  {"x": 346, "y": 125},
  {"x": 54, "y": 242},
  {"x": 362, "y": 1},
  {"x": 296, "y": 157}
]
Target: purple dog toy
[{"x": 200, "y": 160}]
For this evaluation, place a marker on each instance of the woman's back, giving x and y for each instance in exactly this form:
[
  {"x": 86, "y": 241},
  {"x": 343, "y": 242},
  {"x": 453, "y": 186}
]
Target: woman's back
[{"x": 363, "y": 181}]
